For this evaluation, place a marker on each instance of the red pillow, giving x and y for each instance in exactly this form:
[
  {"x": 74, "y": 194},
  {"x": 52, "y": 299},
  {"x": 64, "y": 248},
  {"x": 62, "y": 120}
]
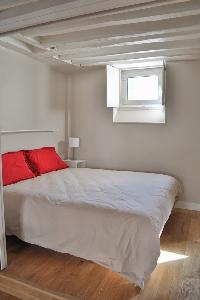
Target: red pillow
[
  {"x": 15, "y": 168},
  {"x": 44, "y": 160}
]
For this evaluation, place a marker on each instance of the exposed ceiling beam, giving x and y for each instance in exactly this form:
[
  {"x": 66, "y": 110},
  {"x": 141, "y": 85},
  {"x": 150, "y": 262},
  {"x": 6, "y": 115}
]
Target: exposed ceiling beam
[
  {"x": 148, "y": 37},
  {"x": 122, "y": 31},
  {"x": 106, "y": 18},
  {"x": 126, "y": 50},
  {"x": 74, "y": 49},
  {"x": 183, "y": 57},
  {"x": 41, "y": 12},
  {"x": 15, "y": 44},
  {"x": 149, "y": 55},
  {"x": 29, "y": 40},
  {"x": 5, "y": 4},
  {"x": 146, "y": 15},
  {"x": 157, "y": 58}
]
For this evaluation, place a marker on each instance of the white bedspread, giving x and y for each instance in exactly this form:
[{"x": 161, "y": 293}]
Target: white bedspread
[{"x": 113, "y": 218}]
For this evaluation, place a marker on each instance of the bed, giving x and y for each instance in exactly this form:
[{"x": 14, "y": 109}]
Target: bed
[{"x": 113, "y": 218}]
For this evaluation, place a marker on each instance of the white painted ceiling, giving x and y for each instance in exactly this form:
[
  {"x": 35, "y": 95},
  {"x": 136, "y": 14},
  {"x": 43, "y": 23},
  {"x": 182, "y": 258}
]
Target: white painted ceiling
[{"x": 83, "y": 33}]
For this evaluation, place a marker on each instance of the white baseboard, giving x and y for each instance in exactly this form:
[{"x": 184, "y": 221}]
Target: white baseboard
[{"x": 187, "y": 205}]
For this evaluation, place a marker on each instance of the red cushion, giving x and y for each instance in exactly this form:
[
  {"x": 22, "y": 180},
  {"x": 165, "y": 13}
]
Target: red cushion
[
  {"x": 45, "y": 160},
  {"x": 15, "y": 168}
]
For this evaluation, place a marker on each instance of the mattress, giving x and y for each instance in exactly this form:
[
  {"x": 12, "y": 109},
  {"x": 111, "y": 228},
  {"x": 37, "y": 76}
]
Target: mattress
[{"x": 113, "y": 218}]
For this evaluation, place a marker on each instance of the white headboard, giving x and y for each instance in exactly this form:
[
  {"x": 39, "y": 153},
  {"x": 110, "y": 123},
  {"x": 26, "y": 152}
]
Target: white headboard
[{"x": 26, "y": 139}]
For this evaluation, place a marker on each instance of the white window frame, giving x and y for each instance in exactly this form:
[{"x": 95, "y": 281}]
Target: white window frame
[
  {"x": 127, "y": 73},
  {"x": 140, "y": 111}
]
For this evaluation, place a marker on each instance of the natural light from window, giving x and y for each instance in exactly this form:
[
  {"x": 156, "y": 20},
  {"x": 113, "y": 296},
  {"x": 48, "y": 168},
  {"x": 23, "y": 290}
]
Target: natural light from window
[
  {"x": 166, "y": 256},
  {"x": 143, "y": 88}
]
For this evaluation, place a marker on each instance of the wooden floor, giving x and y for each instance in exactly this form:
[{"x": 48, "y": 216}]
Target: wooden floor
[{"x": 36, "y": 273}]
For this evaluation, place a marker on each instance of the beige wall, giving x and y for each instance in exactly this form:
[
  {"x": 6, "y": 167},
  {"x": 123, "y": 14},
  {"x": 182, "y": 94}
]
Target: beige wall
[
  {"x": 32, "y": 95},
  {"x": 173, "y": 148}
]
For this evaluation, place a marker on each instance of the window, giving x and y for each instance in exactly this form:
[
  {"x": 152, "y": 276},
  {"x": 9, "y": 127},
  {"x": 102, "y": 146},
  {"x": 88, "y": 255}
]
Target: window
[
  {"x": 142, "y": 87},
  {"x": 136, "y": 94},
  {"x": 136, "y": 91}
]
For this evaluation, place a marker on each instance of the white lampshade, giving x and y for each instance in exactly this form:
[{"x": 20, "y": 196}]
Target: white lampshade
[{"x": 74, "y": 142}]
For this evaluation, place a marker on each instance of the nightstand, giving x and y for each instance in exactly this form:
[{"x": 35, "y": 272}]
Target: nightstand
[{"x": 76, "y": 163}]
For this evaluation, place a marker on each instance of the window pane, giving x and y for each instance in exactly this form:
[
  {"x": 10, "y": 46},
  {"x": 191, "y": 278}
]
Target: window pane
[{"x": 143, "y": 88}]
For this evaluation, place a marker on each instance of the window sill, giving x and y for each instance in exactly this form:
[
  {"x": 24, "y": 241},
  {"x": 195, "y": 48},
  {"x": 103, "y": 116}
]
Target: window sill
[
  {"x": 141, "y": 107},
  {"x": 143, "y": 114}
]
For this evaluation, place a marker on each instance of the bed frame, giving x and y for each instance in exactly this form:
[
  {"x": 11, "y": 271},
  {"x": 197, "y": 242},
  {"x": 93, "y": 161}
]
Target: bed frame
[{"x": 14, "y": 141}]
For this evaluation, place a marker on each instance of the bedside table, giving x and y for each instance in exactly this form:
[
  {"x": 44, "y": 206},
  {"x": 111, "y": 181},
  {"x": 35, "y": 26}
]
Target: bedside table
[{"x": 79, "y": 163}]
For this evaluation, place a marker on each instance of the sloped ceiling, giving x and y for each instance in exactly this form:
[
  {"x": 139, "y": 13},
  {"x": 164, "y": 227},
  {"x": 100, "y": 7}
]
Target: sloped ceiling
[{"x": 83, "y": 33}]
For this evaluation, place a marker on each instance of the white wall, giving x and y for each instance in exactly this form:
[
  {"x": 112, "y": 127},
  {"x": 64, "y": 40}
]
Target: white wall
[
  {"x": 173, "y": 148},
  {"x": 32, "y": 95}
]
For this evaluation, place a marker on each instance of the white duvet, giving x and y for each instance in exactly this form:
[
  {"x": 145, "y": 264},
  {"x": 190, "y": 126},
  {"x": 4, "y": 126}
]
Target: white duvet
[{"x": 113, "y": 218}]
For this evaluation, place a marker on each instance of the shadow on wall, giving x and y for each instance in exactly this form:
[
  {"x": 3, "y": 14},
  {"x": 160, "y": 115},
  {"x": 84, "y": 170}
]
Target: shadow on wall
[
  {"x": 57, "y": 94},
  {"x": 62, "y": 149},
  {"x": 57, "y": 90}
]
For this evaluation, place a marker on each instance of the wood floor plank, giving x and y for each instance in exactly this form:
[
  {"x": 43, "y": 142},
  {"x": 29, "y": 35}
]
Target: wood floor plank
[
  {"x": 28, "y": 291},
  {"x": 39, "y": 273},
  {"x": 4, "y": 296}
]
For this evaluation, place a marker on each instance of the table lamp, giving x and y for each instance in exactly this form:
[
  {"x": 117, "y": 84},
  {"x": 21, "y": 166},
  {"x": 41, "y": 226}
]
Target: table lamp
[{"x": 73, "y": 143}]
